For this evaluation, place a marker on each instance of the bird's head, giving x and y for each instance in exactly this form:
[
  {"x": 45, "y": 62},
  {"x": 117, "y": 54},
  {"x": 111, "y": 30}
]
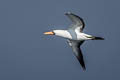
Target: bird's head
[
  {"x": 55, "y": 32},
  {"x": 61, "y": 33}
]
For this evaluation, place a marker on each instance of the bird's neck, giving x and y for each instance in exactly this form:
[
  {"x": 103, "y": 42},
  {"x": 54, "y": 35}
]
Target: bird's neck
[{"x": 62, "y": 33}]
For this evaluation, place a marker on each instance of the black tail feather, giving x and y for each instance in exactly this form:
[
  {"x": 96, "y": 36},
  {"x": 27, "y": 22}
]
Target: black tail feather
[{"x": 98, "y": 38}]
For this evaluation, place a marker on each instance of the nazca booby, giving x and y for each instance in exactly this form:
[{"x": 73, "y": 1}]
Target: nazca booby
[{"x": 75, "y": 36}]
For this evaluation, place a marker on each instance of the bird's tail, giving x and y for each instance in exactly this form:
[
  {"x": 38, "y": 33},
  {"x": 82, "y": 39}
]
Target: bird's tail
[{"x": 97, "y": 38}]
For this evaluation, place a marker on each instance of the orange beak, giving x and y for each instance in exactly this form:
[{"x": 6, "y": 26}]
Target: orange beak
[{"x": 49, "y": 33}]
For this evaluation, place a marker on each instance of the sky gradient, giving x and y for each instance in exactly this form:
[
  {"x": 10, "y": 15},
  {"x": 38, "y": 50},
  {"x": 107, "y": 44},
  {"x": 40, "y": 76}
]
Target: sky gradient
[{"x": 27, "y": 54}]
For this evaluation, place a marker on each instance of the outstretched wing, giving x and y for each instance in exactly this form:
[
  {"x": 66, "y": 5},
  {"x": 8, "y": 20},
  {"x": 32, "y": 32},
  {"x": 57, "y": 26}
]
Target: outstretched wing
[
  {"x": 77, "y": 51},
  {"x": 76, "y": 20}
]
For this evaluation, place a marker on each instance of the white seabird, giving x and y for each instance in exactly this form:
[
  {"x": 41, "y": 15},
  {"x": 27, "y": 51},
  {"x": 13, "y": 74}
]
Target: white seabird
[{"x": 75, "y": 36}]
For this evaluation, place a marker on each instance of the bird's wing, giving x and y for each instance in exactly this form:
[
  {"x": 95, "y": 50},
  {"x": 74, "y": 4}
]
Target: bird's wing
[
  {"x": 76, "y": 21},
  {"x": 77, "y": 51}
]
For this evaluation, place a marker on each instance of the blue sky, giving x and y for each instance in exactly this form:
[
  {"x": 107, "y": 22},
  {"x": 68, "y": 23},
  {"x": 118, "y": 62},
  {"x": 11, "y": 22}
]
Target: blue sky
[{"x": 27, "y": 54}]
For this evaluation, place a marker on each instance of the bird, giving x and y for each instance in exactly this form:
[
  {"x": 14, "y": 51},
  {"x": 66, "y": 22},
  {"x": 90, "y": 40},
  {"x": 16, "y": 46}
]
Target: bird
[{"x": 75, "y": 36}]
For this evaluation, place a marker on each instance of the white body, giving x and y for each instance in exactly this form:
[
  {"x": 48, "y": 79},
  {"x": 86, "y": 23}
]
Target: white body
[
  {"x": 66, "y": 34},
  {"x": 62, "y": 33}
]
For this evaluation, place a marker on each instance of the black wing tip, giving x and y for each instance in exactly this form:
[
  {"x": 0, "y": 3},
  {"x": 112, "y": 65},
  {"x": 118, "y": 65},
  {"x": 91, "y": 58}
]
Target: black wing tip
[
  {"x": 84, "y": 68},
  {"x": 83, "y": 65},
  {"x": 81, "y": 61},
  {"x": 68, "y": 13}
]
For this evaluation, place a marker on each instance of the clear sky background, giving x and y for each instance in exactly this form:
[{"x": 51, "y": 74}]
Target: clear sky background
[{"x": 27, "y": 54}]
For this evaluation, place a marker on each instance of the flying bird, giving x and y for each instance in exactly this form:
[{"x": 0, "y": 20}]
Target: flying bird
[{"x": 75, "y": 36}]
